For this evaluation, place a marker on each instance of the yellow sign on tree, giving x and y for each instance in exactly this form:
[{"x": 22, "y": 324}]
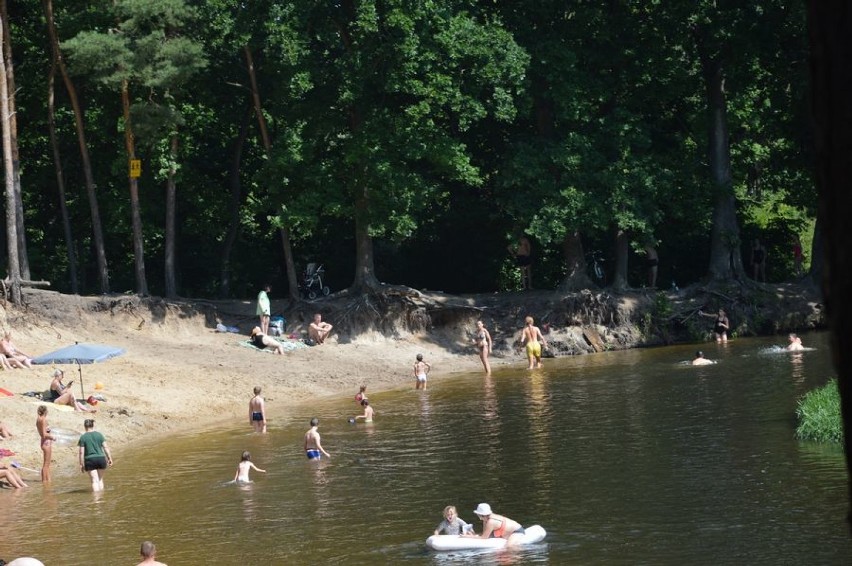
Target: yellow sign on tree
[{"x": 135, "y": 168}]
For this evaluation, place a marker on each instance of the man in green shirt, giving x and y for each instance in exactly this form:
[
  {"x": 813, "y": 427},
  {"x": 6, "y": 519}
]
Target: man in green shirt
[{"x": 95, "y": 456}]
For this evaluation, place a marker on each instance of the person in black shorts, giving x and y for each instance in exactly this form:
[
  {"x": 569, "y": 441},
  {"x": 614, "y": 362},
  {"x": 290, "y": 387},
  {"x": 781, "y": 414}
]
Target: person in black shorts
[{"x": 95, "y": 456}]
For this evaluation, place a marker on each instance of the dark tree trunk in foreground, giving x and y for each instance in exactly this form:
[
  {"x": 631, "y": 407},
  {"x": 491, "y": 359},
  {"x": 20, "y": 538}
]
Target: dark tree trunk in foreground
[
  {"x": 289, "y": 264},
  {"x": 60, "y": 179},
  {"x": 171, "y": 229},
  {"x": 97, "y": 231},
  {"x": 577, "y": 276},
  {"x": 830, "y": 27},
  {"x": 236, "y": 202},
  {"x": 23, "y": 256},
  {"x": 14, "y": 268},
  {"x": 135, "y": 209},
  {"x": 725, "y": 257},
  {"x": 365, "y": 267},
  {"x": 622, "y": 248}
]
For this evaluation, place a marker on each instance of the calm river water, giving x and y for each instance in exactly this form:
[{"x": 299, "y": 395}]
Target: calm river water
[{"x": 625, "y": 458}]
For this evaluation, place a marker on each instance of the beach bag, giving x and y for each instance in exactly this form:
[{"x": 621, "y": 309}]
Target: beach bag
[{"x": 276, "y": 326}]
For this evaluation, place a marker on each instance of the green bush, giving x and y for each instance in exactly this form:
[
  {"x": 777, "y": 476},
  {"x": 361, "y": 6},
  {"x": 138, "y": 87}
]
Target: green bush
[{"x": 818, "y": 414}]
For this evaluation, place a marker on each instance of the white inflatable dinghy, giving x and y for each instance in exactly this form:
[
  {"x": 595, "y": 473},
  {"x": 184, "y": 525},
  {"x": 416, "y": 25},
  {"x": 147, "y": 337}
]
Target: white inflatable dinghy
[{"x": 533, "y": 534}]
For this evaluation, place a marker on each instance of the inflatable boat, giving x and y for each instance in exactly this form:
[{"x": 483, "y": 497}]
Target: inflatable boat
[{"x": 533, "y": 534}]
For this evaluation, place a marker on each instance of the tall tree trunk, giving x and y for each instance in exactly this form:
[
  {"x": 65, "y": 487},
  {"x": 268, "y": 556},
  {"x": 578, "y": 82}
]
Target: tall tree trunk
[
  {"x": 60, "y": 178},
  {"x": 725, "y": 256},
  {"x": 622, "y": 248},
  {"x": 14, "y": 268},
  {"x": 23, "y": 257},
  {"x": 171, "y": 236},
  {"x": 289, "y": 264},
  {"x": 575, "y": 261},
  {"x": 365, "y": 269},
  {"x": 236, "y": 203},
  {"x": 91, "y": 188},
  {"x": 135, "y": 212},
  {"x": 830, "y": 27}
]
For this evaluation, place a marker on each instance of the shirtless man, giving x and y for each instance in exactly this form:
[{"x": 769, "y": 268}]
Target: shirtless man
[
  {"x": 367, "y": 417},
  {"x": 257, "y": 411},
  {"x": 700, "y": 360},
  {"x": 15, "y": 357},
  {"x": 313, "y": 446},
  {"x": 530, "y": 336},
  {"x": 319, "y": 330},
  {"x": 795, "y": 343},
  {"x": 149, "y": 554}
]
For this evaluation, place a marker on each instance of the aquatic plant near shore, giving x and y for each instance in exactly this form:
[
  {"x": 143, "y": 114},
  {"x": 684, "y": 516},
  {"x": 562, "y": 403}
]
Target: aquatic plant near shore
[{"x": 818, "y": 414}]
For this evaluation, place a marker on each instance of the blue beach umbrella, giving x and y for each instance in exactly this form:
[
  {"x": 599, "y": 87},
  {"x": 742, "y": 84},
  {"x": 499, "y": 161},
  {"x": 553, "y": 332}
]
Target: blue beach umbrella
[{"x": 79, "y": 354}]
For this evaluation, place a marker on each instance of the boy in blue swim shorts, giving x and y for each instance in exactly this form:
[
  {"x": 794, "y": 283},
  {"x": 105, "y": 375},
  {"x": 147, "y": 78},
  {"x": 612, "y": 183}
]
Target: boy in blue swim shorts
[{"x": 313, "y": 445}]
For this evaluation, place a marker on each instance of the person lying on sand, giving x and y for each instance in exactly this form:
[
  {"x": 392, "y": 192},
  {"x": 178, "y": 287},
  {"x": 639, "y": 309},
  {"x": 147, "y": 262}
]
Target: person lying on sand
[{"x": 261, "y": 341}]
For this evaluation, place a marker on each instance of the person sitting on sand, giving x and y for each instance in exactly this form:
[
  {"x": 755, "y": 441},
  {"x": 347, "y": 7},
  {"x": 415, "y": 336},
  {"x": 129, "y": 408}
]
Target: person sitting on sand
[
  {"x": 260, "y": 340},
  {"x": 11, "y": 476},
  {"x": 700, "y": 360},
  {"x": 5, "y": 432},
  {"x": 243, "y": 468},
  {"x": 367, "y": 417},
  {"x": 319, "y": 330},
  {"x": 61, "y": 394},
  {"x": 149, "y": 555},
  {"x": 494, "y": 525},
  {"x": 15, "y": 357},
  {"x": 452, "y": 523},
  {"x": 795, "y": 343}
]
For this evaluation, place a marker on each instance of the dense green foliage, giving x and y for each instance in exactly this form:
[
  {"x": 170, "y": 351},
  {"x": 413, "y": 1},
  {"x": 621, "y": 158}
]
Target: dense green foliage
[
  {"x": 424, "y": 135},
  {"x": 819, "y": 415}
]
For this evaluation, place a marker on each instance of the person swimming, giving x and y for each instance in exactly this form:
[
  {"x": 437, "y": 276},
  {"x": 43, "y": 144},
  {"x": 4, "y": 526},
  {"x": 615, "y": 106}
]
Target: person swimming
[{"x": 243, "y": 468}]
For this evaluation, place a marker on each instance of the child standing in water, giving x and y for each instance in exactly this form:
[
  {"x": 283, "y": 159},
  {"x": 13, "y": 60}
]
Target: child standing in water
[
  {"x": 421, "y": 370},
  {"x": 242, "y": 475},
  {"x": 362, "y": 394}
]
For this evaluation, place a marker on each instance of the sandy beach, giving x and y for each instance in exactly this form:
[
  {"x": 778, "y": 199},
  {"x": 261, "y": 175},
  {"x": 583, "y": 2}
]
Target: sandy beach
[{"x": 178, "y": 373}]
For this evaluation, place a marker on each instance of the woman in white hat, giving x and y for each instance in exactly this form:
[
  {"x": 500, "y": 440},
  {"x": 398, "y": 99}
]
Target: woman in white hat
[{"x": 496, "y": 526}]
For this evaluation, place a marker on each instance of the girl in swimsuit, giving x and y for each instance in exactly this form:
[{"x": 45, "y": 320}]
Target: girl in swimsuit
[
  {"x": 46, "y": 441},
  {"x": 243, "y": 468},
  {"x": 484, "y": 345}
]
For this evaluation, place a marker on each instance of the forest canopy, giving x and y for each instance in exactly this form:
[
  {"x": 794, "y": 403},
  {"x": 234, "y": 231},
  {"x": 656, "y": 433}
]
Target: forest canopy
[{"x": 402, "y": 142}]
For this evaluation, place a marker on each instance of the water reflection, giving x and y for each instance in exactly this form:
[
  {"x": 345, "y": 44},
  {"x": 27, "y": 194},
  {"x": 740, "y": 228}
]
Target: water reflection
[{"x": 622, "y": 457}]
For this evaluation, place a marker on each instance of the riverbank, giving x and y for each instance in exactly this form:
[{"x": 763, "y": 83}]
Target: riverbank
[{"x": 179, "y": 373}]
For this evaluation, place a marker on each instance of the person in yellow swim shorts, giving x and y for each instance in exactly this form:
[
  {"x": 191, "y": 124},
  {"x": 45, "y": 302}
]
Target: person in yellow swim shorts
[{"x": 531, "y": 336}]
